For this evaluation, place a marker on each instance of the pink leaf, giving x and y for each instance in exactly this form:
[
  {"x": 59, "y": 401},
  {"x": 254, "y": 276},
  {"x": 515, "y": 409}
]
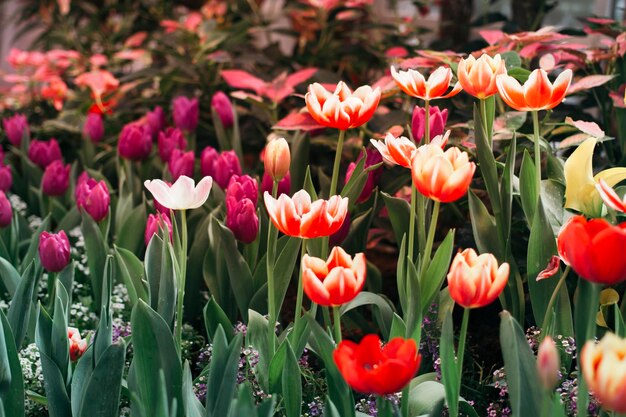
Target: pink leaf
[
  {"x": 588, "y": 82},
  {"x": 589, "y": 128},
  {"x": 492, "y": 36},
  {"x": 243, "y": 79},
  {"x": 573, "y": 140},
  {"x": 298, "y": 121},
  {"x": 301, "y": 76}
]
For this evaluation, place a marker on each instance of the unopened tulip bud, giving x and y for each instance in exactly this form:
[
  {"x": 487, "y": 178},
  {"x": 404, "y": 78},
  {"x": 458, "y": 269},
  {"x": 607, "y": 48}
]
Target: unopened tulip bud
[
  {"x": 156, "y": 223},
  {"x": 54, "y": 251},
  {"x": 6, "y": 211},
  {"x": 93, "y": 197},
  {"x": 220, "y": 166},
  {"x": 242, "y": 220},
  {"x": 55, "y": 179},
  {"x": 42, "y": 153},
  {"x": 181, "y": 163},
  {"x": 224, "y": 108},
  {"x": 93, "y": 129},
  {"x": 437, "y": 122},
  {"x": 78, "y": 345},
  {"x": 6, "y": 178},
  {"x": 548, "y": 363},
  {"x": 16, "y": 127},
  {"x": 185, "y": 112},
  {"x": 170, "y": 139},
  {"x": 135, "y": 142},
  {"x": 277, "y": 158}
]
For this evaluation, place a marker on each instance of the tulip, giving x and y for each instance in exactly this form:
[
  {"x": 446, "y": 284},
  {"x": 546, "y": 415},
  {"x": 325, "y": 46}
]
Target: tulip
[
  {"x": 185, "y": 112},
  {"x": 373, "y": 177},
  {"x": 55, "y": 179},
  {"x": 610, "y": 197},
  {"x": 476, "y": 280},
  {"x": 181, "y": 163},
  {"x": 284, "y": 185},
  {"x": 277, "y": 158},
  {"x": 220, "y": 166},
  {"x": 221, "y": 104},
  {"x": 335, "y": 281},
  {"x": 156, "y": 223},
  {"x": 604, "y": 368},
  {"x": 537, "y": 93},
  {"x": 592, "y": 247},
  {"x": 342, "y": 109},
  {"x": 243, "y": 186},
  {"x": 299, "y": 217},
  {"x": 395, "y": 151},
  {"x": 42, "y": 153},
  {"x": 170, "y": 139},
  {"x": 16, "y": 127},
  {"x": 478, "y": 76},
  {"x": 6, "y": 211},
  {"x": 135, "y": 142},
  {"x": 93, "y": 197},
  {"x": 93, "y": 128},
  {"x": 6, "y": 178},
  {"x": 184, "y": 194},
  {"x": 371, "y": 368},
  {"x": 548, "y": 363},
  {"x": 54, "y": 251},
  {"x": 413, "y": 83},
  {"x": 78, "y": 345},
  {"x": 437, "y": 121},
  {"x": 242, "y": 219},
  {"x": 155, "y": 121},
  {"x": 441, "y": 176}
]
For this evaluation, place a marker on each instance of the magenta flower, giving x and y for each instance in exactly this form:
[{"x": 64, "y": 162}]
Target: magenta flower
[
  {"x": 16, "y": 127},
  {"x": 6, "y": 178},
  {"x": 242, "y": 219},
  {"x": 224, "y": 108},
  {"x": 135, "y": 142},
  {"x": 170, "y": 139},
  {"x": 181, "y": 163},
  {"x": 55, "y": 179},
  {"x": 42, "y": 153},
  {"x": 156, "y": 223},
  {"x": 438, "y": 119},
  {"x": 54, "y": 251},
  {"x": 185, "y": 112},
  {"x": 93, "y": 129},
  {"x": 93, "y": 197},
  {"x": 373, "y": 177},
  {"x": 220, "y": 166},
  {"x": 6, "y": 211}
]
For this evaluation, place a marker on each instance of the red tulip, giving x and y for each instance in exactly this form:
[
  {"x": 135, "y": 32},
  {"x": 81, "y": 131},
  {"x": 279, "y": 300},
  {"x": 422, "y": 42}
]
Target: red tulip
[
  {"x": 413, "y": 83},
  {"x": 537, "y": 93},
  {"x": 371, "y": 368},
  {"x": 78, "y": 345}
]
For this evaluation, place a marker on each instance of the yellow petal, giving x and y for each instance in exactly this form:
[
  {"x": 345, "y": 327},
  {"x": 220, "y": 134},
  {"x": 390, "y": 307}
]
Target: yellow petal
[{"x": 579, "y": 182}]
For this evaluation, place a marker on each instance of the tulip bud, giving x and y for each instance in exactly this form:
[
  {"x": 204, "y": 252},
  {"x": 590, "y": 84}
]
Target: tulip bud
[
  {"x": 241, "y": 219},
  {"x": 93, "y": 129},
  {"x": 243, "y": 186},
  {"x": 6, "y": 178},
  {"x": 16, "y": 127},
  {"x": 220, "y": 166},
  {"x": 42, "y": 153},
  {"x": 207, "y": 160},
  {"x": 155, "y": 121},
  {"x": 55, "y": 179},
  {"x": 181, "y": 163},
  {"x": 220, "y": 103},
  {"x": 6, "y": 211},
  {"x": 135, "y": 142},
  {"x": 78, "y": 345},
  {"x": 437, "y": 122},
  {"x": 170, "y": 139},
  {"x": 548, "y": 363},
  {"x": 185, "y": 112},
  {"x": 156, "y": 223},
  {"x": 277, "y": 158},
  {"x": 93, "y": 196},
  {"x": 54, "y": 251},
  {"x": 373, "y": 177},
  {"x": 284, "y": 185}
]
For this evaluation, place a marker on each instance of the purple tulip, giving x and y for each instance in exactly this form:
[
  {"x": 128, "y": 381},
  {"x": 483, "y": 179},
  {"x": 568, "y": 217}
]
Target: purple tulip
[
  {"x": 6, "y": 211},
  {"x": 220, "y": 166},
  {"x": 224, "y": 108},
  {"x": 16, "y": 127},
  {"x": 54, "y": 251},
  {"x": 6, "y": 178},
  {"x": 155, "y": 121},
  {"x": 438, "y": 119},
  {"x": 284, "y": 185},
  {"x": 93, "y": 129},
  {"x": 93, "y": 197},
  {"x": 242, "y": 219},
  {"x": 170, "y": 139},
  {"x": 55, "y": 179},
  {"x": 181, "y": 163},
  {"x": 243, "y": 186},
  {"x": 42, "y": 153},
  {"x": 156, "y": 223},
  {"x": 135, "y": 142},
  {"x": 373, "y": 177},
  {"x": 185, "y": 112}
]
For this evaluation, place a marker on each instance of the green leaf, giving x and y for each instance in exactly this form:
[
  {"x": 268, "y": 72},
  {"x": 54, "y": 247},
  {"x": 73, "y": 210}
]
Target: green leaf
[
  {"x": 131, "y": 269},
  {"x": 58, "y": 401},
  {"x": 291, "y": 383},
  {"x": 13, "y": 397},
  {"x": 214, "y": 317},
  {"x": 33, "y": 247},
  {"x": 486, "y": 160},
  {"x": 449, "y": 371},
  {"x": 520, "y": 74},
  {"x": 283, "y": 268},
  {"x": 383, "y": 307},
  {"x": 222, "y": 378},
  {"x": 257, "y": 336},
  {"x": 506, "y": 188},
  {"x": 22, "y": 305},
  {"x": 484, "y": 227},
  {"x": 511, "y": 59},
  {"x": 413, "y": 316},
  {"x": 436, "y": 273},
  {"x": 96, "y": 248},
  {"x": 9, "y": 275},
  {"x": 528, "y": 187},
  {"x": 161, "y": 277},
  {"x": 525, "y": 392},
  {"x": 193, "y": 407},
  {"x": 399, "y": 214},
  {"x": 308, "y": 184},
  {"x": 426, "y": 397},
  {"x": 131, "y": 234}
]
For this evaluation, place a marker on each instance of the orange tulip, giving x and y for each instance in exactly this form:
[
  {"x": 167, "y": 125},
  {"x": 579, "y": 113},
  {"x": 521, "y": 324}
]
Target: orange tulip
[
  {"x": 342, "y": 109},
  {"x": 441, "y": 176},
  {"x": 336, "y": 281},
  {"x": 537, "y": 93},
  {"x": 299, "y": 217},
  {"x": 413, "y": 83},
  {"x": 604, "y": 368},
  {"x": 396, "y": 151},
  {"x": 478, "y": 76},
  {"x": 476, "y": 280}
]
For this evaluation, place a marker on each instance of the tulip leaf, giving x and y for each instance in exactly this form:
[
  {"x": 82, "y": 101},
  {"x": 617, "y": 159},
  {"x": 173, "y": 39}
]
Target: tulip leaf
[
  {"x": 413, "y": 317},
  {"x": 356, "y": 240},
  {"x": 131, "y": 269},
  {"x": 131, "y": 234},
  {"x": 384, "y": 308},
  {"x": 299, "y": 161},
  {"x": 10, "y": 277},
  {"x": 214, "y": 317},
  {"x": 511, "y": 59},
  {"x": 33, "y": 247},
  {"x": 430, "y": 284},
  {"x": 426, "y": 397},
  {"x": 308, "y": 184},
  {"x": 520, "y": 74},
  {"x": 449, "y": 370},
  {"x": 484, "y": 227},
  {"x": 161, "y": 277},
  {"x": 193, "y": 407},
  {"x": 291, "y": 383},
  {"x": 398, "y": 328},
  {"x": 525, "y": 392},
  {"x": 528, "y": 187},
  {"x": 222, "y": 378},
  {"x": 257, "y": 336},
  {"x": 399, "y": 214},
  {"x": 355, "y": 184},
  {"x": 96, "y": 249},
  {"x": 484, "y": 154},
  {"x": 19, "y": 313},
  {"x": 506, "y": 188},
  {"x": 12, "y": 395},
  {"x": 283, "y": 268}
]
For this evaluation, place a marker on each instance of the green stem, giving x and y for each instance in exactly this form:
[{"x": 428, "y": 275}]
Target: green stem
[
  {"x": 546, "y": 403},
  {"x": 182, "y": 263},
  {"x": 483, "y": 112},
  {"x": 461, "y": 349},
  {"x": 421, "y": 221},
  {"x": 272, "y": 234},
  {"x": 426, "y": 121},
  {"x": 300, "y": 289},
  {"x": 338, "y": 153},
  {"x": 411, "y": 242},
  {"x": 535, "y": 114},
  {"x": 431, "y": 236},
  {"x": 555, "y": 293},
  {"x": 337, "y": 323},
  {"x": 404, "y": 404}
]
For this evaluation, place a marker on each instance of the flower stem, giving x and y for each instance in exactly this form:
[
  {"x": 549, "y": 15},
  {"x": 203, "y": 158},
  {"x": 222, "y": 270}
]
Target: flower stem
[
  {"x": 555, "y": 293},
  {"x": 337, "y": 323},
  {"x": 483, "y": 113},
  {"x": 461, "y": 349},
  {"x": 535, "y": 114},
  {"x": 426, "y": 122},
  {"x": 411, "y": 242},
  {"x": 272, "y": 234},
  {"x": 431, "y": 236},
  {"x": 338, "y": 153},
  {"x": 300, "y": 289},
  {"x": 182, "y": 263}
]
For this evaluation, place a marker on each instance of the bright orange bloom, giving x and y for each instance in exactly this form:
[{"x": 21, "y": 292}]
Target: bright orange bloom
[
  {"x": 476, "y": 280},
  {"x": 610, "y": 197},
  {"x": 371, "y": 368},
  {"x": 413, "y": 83},
  {"x": 336, "y": 281},
  {"x": 478, "y": 76},
  {"x": 604, "y": 368},
  {"x": 537, "y": 93},
  {"x": 441, "y": 176},
  {"x": 594, "y": 249},
  {"x": 342, "y": 109},
  {"x": 299, "y": 217}
]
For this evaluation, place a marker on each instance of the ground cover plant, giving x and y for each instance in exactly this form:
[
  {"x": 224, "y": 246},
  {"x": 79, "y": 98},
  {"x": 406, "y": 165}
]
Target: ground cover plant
[{"x": 297, "y": 208}]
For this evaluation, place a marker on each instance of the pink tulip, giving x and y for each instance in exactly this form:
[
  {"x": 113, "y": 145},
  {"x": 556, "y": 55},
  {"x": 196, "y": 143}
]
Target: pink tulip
[
  {"x": 55, "y": 179},
  {"x": 185, "y": 112},
  {"x": 93, "y": 197},
  {"x": 170, "y": 139},
  {"x": 181, "y": 163},
  {"x": 156, "y": 223},
  {"x": 243, "y": 186},
  {"x": 54, "y": 251},
  {"x": 16, "y": 127},
  {"x": 78, "y": 345},
  {"x": 42, "y": 153},
  {"x": 93, "y": 129},
  {"x": 6, "y": 211},
  {"x": 6, "y": 178},
  {"x": 242, "y": 219},
  {"x": 224, "y": 108},
  {"x": 135, "y": 142},
  {"x": 284, "y": 185},
  {"x": 438, "y": 119},
  {"x": 373, "y": 177},
  {"x": 155, "y": 121},
  {"x": 220, "y": 166}
]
